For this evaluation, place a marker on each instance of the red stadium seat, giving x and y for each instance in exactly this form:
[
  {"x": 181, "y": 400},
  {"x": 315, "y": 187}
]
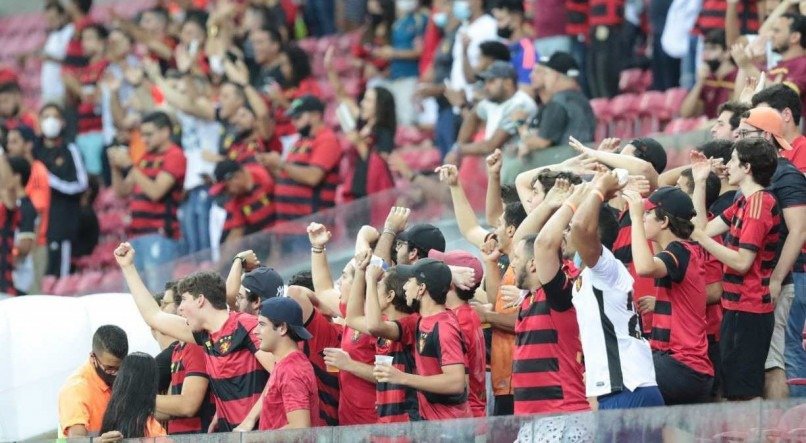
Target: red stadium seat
[
  {"x": 625, "y": 111},
  {"x": 674, "y": 100},
  {"x": 651, "y": 112},
  {"x": 601, "y": 109},
  {"x": 631, "y": 80}
]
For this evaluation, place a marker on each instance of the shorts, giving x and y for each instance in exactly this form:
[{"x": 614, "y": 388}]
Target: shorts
[
  {"x": 775, "y": 357},
  {"x": 744, "y": 344},
  {"x": 716, "y": 361},
  {"x": 639, "y": 398},
  {"x": 678, "y": 383}
]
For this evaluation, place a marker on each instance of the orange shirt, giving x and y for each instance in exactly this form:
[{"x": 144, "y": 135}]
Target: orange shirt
[
  {"x": 38, "y": 190},
  {"x": 503, "y": 344},
  {"x": 83, "y": 400},
  {"x": 154, "y": 428}
]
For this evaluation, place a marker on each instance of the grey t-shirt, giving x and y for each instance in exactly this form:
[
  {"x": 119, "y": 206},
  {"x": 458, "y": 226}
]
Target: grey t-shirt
[{"x": 568, "y": 113}]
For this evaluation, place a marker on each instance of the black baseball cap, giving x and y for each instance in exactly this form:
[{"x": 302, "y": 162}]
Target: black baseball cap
[
  {"x": 651, "y": 151},
  {"x": 225, "y": 169},
  {"x": 265, "y": 282},
  {"x": 672, "y": 200},
  {"x": 562, "y": 62},
  {"x": 306, "y": 103},
  {"x": 435, "y": 274},
  {"x": 424, "y": 236},
  {"x": 499, "y": 69},
  {"x": 285, "y": 310}
]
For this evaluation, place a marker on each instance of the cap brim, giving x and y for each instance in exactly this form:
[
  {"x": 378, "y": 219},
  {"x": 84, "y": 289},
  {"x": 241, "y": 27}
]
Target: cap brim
[
  {"x": 782, "y": 141},
  {"x": 302, "y": 332},
  {"x": 405, "y": 271},
  {"x": 648, "y": 205}
]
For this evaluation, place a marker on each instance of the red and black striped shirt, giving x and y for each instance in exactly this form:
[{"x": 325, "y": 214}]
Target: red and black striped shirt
[
  {"x": 236, "y": 376},
  {"x": 712, "y": 16},
  {"x": 89, "y": 109},
  {"x": 243, "y": 151},
  {"x": 642, "y": 286},
  {"x": 547, "y": 368},
  {"x": 9, "y": 221},
  {"x": 576, "y": 17},
  {"x": 253, "y": 211},
  {"x": 75, "y": 52},
  {"x": 678, "y": 326},
  {"x": 606, "y": 13},
  {"x": 326, "y": 334},
  {"x": 396, "y": 403},
  {"x": 295, "y": 199},
  {"x": 755, "y": 225},
  {"x": 187, "y": 360},
  {"x": 149, "y": 217}
]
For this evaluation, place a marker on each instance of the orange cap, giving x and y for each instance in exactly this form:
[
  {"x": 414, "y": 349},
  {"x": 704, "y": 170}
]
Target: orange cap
[{"x": 769, "y": 120}]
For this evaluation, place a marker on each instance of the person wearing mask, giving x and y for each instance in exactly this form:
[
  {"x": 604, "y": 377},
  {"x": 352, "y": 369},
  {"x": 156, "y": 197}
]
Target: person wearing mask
[
  {"x": 509, "y": 16},
  {"x": 84, "y": 397},
  {"x": 20, "y": 143},
  {"x": 785, "y": 100},
  {"x": 291, "y": 400},
  {"x": 308, "y": 176},
  {"x": 502, "y": 104},
  {"x": 727, "y": 121},
  {"x": 477, "y": 27},
  {"x": 403, "y": 52},
  {"x": 82, "y": 86},
  {"x": 60, "y": 31},
  {"x": 566, "y": 112},
  {"x": 132, "y": 405},
  {"x": 715, "y": 78},
  {"x": 154, "y": 185},
  {"x": 68, "y": 181}
]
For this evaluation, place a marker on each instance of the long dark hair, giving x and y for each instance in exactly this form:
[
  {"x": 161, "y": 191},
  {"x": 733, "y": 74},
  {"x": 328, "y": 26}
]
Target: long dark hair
[
  {"x": 134, "y": 396},
  {"x": 385, "y": 110},
  {"x": 300, "y": 64},
  {"x": 388, "y": 12}
]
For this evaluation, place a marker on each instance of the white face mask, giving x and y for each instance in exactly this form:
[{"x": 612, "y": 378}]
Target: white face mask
[
  {"x": 406, "y": 6},
  {"x": 217, "y": 65},
  {"x": 51, "y": 127}
]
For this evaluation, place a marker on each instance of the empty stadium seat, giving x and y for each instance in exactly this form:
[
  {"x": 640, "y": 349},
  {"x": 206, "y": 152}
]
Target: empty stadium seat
[
  {"x": 625, "y": 112},
  {"x": 601, "y": 109},
  {"x": 674, "y": 100},
  {"x": 652, "y": 112}
]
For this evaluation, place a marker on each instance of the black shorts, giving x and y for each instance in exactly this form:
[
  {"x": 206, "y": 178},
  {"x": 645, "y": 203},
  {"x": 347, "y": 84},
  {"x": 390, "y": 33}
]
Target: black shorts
[
  {"x": 744, "y": 344},
  {"x": 716, "y": 361},
  {"x": 678, "y": 383}
]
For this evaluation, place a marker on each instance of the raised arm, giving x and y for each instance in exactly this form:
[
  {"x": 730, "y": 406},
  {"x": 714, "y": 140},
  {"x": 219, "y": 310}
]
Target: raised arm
[
  {"x": 646, "y": 264},
  {"x": 465, "y": 216},
  {"x": 243, "y": 262},
  {"x": 536, "y": 220},
  {"x": 585, "y": 224},
  {"x": 320, "y": 271},
  {"x": 375, "y": 323},
  {"x": 633, "y": 165},
  {"x": 700, "y": 169},
  {"x": 395, "y": 223},
  {"x": 355, "y": 304},
  {"x": 548, "y": 244},
  {"x": 169, "y": 324},
  {"x": 494, "y": 205}
]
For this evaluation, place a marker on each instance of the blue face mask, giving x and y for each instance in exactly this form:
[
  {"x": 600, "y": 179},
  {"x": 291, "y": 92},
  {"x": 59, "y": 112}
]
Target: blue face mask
[
  {"x": 440, "y": 19},
  {"x": 577, "y": 260},
  {"x": 461, "y": 10}
]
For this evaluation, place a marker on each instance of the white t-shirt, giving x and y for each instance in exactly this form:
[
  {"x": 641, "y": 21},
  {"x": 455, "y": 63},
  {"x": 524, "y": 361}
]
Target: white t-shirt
[
  {"x": 481, "y": 30},
  {"x": 616, "y": 356},
  {"x": 51, "y": 74},
  {"x": 499, "y": 115},
  {"x": 198, "y": 135}
]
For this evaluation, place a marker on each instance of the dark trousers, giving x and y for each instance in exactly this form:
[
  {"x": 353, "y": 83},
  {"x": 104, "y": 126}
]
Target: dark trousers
[{"x": 604, "y": 62}]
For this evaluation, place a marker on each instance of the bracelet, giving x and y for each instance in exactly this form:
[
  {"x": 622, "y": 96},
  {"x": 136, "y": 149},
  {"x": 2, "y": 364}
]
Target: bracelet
[
  {"x": 242, "y": 260},
  {"x": 571, "y": 206},
  {"x": 599, "y": 194},
  {"x": 316, "y": 250},
  {"x": 389, "y": 231}
]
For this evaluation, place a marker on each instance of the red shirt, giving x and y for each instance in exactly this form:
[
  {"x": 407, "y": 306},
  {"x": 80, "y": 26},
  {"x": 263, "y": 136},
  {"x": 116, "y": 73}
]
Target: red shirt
[
  {"x": 282, "y": 124},
  {"x": 396, "y": 403},
  {"x": 576, "y": 17},
  {"x": 473, "y": 335},
  {"x": 798, "y": 153},
  {"x": 713, "y": 312},
  {"x": 548, "y": 17},
  {"x": 75, "y": 52},
  {"x": 678, "y": 326},
  {"x": 754, "y": 225},
  {"x": 793, "y": 74},
  {"x": 9, "y": 221},
  {"x": 149, "y": 217},
  {"x": 326, "y": 334},
  {"x": 254, "y": 210},
  {"x": 89, "y": 107},
  {"x": 606, "y": 12},
  {"x": 292, "y": 387},
  {"x": 187, "y": 360},
  {"x": 236, "y": 377},
  {"x": 357, "y": 399},
  {"x": 716, "y": 91},
  {"x": 295, "y": 199},
  {"x": 437, "y": 341},
  {"x": 642, "y": 286},
  {"x": 431, "y": 40},
  {"x": 244, "y": 151},
  {"x": 712, "y": 16},
  {"x": 547, "y": 368}
]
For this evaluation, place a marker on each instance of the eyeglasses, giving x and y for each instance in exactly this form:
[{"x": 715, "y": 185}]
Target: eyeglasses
[
  {"x": 743, "y": 133},
  {"x": 400, "y": 243},
  {"x": 111, "y": 370}
]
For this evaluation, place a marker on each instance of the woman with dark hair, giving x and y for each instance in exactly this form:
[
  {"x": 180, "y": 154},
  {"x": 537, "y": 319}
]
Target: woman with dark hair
[
  {"x": 130, "y": 413},
  {"x": 376, "y": 33}
]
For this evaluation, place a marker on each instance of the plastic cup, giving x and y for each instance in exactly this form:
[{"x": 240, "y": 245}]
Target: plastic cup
[
  {"x": 329, "y": 368},
  {"x": 384, "y": 360}
]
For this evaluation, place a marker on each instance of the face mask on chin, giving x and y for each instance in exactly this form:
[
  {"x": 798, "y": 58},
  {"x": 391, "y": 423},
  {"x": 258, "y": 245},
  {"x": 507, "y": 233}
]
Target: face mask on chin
[
  {"x": 713, "y": 65},
  {"x": 305, "y": 131},
  {"x": 109, "y": 379},
  {"x": 505, "y": 33}
]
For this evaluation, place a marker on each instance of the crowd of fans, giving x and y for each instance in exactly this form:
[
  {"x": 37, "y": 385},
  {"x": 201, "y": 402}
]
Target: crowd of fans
[{"x": 605, "y": 281}]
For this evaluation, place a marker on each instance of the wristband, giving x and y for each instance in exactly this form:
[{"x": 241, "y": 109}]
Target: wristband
[
  {"x": 571, "y": 206},
  {"x": 242, "y": 260},
  {"x": 316, "y": 250},
  {"x": 389, "y": 231},
  {"x": 599, "y": 194}
]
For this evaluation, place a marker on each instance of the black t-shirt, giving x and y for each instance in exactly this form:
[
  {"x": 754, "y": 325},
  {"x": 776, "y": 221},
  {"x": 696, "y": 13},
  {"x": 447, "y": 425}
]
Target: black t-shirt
[
  {"x": 722, "y": 202},
  {"x": 89, "y": 230},
  {"x": 28, "y": 216},
  {"x": 567, "y": 114},
  {"x": 67, "y": 174},
  {"x": 789, "y": 187},
  {"x": 163, "y": 360}
]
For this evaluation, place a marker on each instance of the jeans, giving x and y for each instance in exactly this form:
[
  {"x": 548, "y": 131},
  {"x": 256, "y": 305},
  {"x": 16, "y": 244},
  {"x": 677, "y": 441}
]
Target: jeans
[
  {"x": 639, "y": 398},
  {"x": 154, "y": 257},
  {"x": 320, "y": 16},
  {"x": 194, "y": 218},
  {"x": 794, "y": 354},
  {"x": 446, "y": 129}
]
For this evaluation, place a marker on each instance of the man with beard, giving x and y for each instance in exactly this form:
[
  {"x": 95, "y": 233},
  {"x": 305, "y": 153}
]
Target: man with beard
[
  {"x": 509, "y": 15},
  {"x": 499, "y": 110},
  {"x": 715, "y": 78},
  {"x": 85, "y": 394}
]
